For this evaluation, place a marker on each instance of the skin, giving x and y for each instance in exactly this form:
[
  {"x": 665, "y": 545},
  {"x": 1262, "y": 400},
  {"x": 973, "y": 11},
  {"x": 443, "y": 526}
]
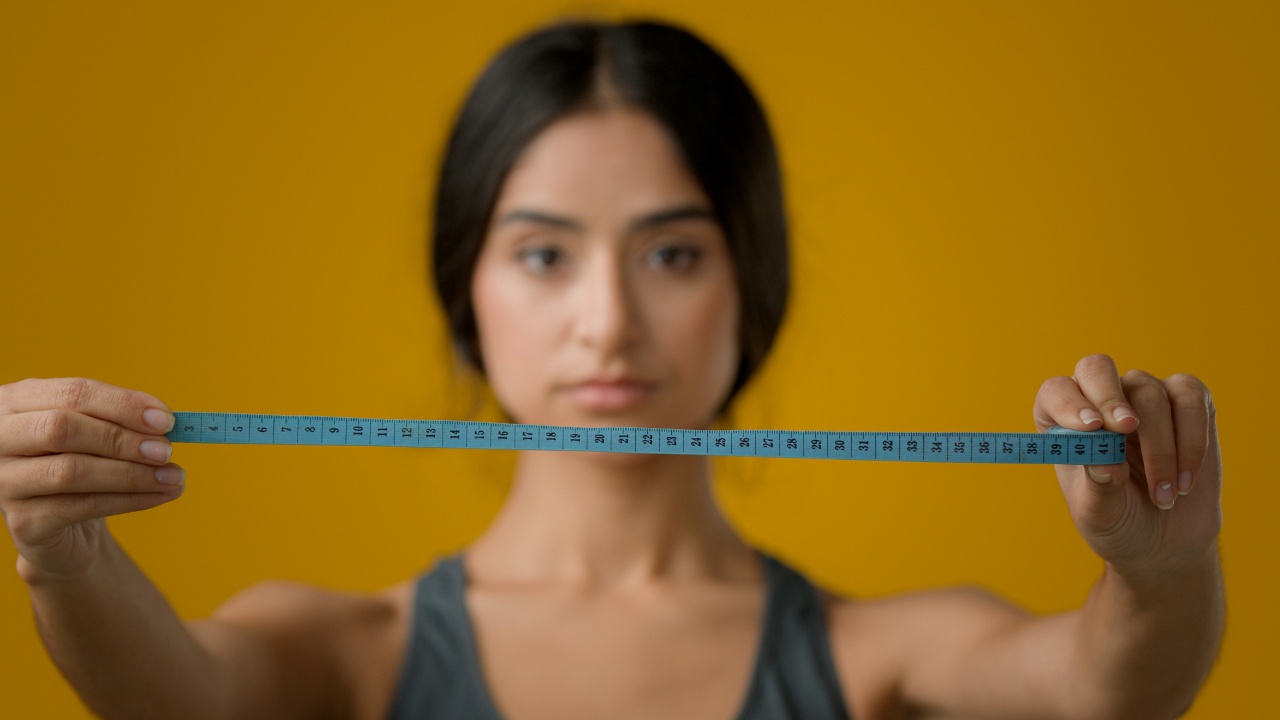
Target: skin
[{"x": 618, "y": 572}]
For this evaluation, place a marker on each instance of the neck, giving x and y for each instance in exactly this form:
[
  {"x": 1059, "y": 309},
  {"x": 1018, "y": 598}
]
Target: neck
[{"x": 610, "y": 520}]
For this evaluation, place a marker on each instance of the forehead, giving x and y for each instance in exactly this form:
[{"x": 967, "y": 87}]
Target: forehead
[{"x": 601, "y": 166}]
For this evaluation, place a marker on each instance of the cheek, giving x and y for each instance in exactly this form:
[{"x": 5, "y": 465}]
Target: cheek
[
  {"x": 707, "y": 339},
  {"x": 510, "y": 336}
]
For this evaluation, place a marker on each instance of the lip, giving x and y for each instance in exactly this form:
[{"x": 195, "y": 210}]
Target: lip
[{"x": 609, "y": 395}]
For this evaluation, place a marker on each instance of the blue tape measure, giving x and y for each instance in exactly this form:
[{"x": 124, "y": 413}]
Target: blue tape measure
[{"x": 1058, "y": 446}]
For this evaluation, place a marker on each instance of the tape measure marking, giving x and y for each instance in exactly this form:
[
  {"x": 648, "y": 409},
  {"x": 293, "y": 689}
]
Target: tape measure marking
[{"x": 1059, "y": 446}]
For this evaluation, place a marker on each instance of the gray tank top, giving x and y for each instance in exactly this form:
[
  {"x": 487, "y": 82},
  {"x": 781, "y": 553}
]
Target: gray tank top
[{"x": 793, "y": 675}]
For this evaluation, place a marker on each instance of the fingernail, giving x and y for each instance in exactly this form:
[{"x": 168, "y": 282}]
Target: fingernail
[
  {"x": 1121, "y": 412},
  {"x": 1164, "y": 495},
  {"x": 170, "y": 475},
  {"x": 1184, "y": 482},
  {"x": 1100, "y": 478},
  {"x": 157, "y": 450},
  {"x": 1089, "y": 415},
  {"x": 158, "y": 419}
]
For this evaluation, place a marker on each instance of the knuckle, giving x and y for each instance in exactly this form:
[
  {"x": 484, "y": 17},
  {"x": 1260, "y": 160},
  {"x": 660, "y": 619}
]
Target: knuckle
[
  {"x": 6, "y": 391},
  {"x": 53, "y": 428},
  {"x": 1136, "y": 375},
  {"x": 1143, "y": 382},
  {"x": 61, "y": 472},
  {"x": 19, "y": 520},
  {"x": 69, "y": 509},
  {"x": 71, "y": 393},
  {"x": 9, "y": 391},
  {"x": 1188, "y": 382},
  {"x": 1056, "y": 384},
  {"x": 1095, "y": 362},
  {"x": 120, "y": 441},
  {"x": 82, "y": 506}
]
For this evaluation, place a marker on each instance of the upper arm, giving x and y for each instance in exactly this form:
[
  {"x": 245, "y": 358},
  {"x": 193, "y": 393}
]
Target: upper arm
[
  {"x": 958, "y": 652},
  {"x": 274, "y": 647}
]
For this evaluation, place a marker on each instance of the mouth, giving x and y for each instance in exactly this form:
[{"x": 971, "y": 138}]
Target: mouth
[{"x": 609, "y": 396}]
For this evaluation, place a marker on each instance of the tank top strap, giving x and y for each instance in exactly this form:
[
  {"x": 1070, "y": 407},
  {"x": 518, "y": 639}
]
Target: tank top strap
[
  {"x": 441, "y": 676},
  {"x": 794, "y": 674}
]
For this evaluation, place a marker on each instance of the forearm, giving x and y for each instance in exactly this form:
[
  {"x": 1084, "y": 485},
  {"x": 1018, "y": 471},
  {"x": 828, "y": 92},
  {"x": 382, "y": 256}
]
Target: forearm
[
  {"x": 1144, "y": 646},
  {"x": 120, "y": 643}
]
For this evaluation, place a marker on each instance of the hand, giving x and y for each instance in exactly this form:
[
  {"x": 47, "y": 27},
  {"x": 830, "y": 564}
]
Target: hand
[
  {"x": 1159, "y": 511},
  {"x": 73, "y": 451}
]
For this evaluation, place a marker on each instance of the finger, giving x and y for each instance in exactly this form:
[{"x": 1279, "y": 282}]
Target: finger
[
  {"x": 66, "y": 431},
  {"x": 37, "y": 518},
  {"x": 1190, "y": 401},
  {"x": 1156, "y": 437},
  {"x": 68, "y": 473},
  {"x": 133, "y": 409},
  {"x": 1060, "y": 402},
  {"x": 1100, "y": 384}
]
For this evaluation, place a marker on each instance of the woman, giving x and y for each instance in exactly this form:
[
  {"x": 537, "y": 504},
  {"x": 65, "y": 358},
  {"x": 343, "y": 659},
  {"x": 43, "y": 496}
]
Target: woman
[{"x": 611, "y": 250}]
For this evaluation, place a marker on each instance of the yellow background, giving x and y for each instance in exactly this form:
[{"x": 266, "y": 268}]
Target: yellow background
[{"x": 224, "y": 204}]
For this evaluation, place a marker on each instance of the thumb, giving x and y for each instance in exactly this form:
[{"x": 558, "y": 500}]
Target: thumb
[
  {"x": 1108, "y": 478},
  {"x": 1097, "y": 496}
]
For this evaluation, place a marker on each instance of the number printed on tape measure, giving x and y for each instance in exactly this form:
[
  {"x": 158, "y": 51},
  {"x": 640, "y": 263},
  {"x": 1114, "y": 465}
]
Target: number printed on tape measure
[{"x": 1058, "y": 446}]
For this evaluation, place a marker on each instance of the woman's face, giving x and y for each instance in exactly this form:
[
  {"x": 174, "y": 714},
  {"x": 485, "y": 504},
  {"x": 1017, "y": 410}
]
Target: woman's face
[{"x": 604, "y": 293}]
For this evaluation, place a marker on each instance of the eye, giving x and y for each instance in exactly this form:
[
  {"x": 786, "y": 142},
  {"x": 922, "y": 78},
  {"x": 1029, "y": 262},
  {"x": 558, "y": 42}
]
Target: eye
[
  {"x": 676, "y": 258},
  {"x": 540, "y": 260}
]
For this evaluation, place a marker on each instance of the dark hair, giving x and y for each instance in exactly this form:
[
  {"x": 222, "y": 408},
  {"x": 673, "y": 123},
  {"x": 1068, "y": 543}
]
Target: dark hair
[{"x": 690, "y": 89}]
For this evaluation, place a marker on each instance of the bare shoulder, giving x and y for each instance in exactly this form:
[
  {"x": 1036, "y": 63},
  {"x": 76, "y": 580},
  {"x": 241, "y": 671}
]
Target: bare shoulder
[
  {"x": 310, "y": 651},
  {"x": 280, "y": 605},
  {"x": 879, "y": 644}
]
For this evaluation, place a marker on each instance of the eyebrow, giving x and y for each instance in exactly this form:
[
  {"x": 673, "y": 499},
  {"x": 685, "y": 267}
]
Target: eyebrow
[{"x": 684, "y": 212}]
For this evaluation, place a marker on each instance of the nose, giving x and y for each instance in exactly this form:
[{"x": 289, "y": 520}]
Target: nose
[{"x": 608, "y": 318}]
